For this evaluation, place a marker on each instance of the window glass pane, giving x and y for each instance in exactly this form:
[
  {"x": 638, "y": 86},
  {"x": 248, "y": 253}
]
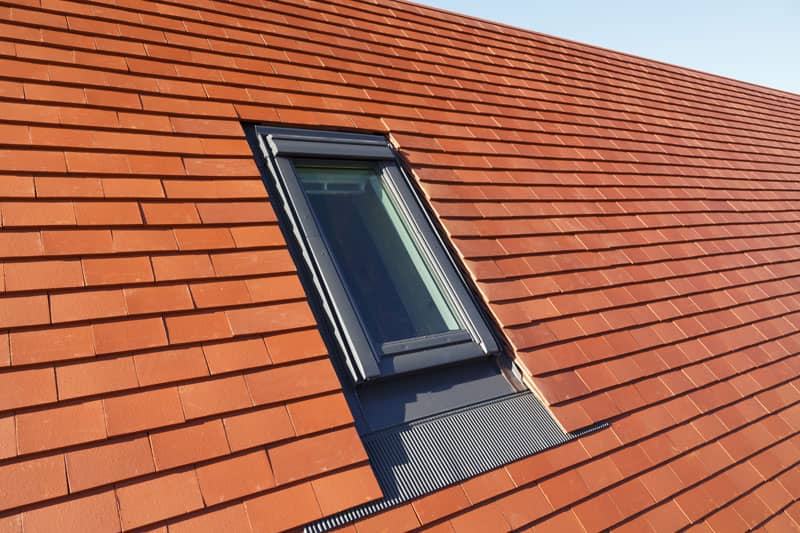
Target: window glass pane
[{"x": 390, "y": 282}]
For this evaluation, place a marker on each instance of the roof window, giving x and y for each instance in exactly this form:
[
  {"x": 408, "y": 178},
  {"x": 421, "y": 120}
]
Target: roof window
[{"x": 434, "y": 397}]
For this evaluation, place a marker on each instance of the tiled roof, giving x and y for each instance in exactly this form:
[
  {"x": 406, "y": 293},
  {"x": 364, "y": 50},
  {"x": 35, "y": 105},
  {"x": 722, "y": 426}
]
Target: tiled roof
[{"x": 633, "y": 227}]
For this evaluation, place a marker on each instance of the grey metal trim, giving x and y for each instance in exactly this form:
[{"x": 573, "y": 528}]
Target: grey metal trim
[
  {"x": 286, "y": 142},
  {"x": 429, "y": 341},
  {"x": 420, "y": 458}
]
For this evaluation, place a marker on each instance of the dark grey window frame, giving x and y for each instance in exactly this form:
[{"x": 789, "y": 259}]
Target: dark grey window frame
[{"x": 366, "y": 362}]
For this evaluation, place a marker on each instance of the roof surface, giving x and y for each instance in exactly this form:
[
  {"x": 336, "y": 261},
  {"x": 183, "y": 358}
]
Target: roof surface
[{"x": 633, "y": 227}]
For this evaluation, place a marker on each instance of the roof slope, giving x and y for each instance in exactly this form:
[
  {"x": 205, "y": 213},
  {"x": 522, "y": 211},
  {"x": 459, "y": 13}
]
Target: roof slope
[{"x": 633, "y": 227}]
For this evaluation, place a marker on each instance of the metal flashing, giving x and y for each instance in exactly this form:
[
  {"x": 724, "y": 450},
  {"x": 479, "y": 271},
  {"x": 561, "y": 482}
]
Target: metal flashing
[{"x": 416, "y": 459}]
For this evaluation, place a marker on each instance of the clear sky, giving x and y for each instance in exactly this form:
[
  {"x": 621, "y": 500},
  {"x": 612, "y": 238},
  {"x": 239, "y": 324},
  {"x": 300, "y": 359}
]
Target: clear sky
[{"x": 754, "y": 40}]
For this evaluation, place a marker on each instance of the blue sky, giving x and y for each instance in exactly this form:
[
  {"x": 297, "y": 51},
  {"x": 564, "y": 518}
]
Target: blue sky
[{"x": 755, "y": 40}]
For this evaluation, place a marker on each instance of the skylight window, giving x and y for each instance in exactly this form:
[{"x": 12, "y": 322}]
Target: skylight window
[
  {"x": 394, "y": 295},
  {"x": 433, "y": 397}
]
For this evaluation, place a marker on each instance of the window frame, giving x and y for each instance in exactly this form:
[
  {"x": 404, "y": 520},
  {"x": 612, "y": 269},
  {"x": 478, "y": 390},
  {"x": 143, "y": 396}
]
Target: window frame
[{"x": 366, "y": 361}]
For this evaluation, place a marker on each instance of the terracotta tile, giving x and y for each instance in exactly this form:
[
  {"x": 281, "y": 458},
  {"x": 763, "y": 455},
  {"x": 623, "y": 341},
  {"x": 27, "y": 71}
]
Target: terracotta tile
[
  {"x": 96, "y": 377},
  {"x": 252, "y": 236},
  {"x": 283, "y": 509},
  {"x": 129, "y": 187},
  {"x": 317, "y": 414},
  {"x": 203, "y": 238},
  {"x": 149, "y": 240},
  {"x": 157, "y": 499},
  {"x": 109, "y": 463},
  {"x": 127, "y": 335},
  {"x": 564, "y": 489},
  {"x": 32, "y": 480},
  {"x": 290, "y": 382},
  {"x": 631, "y": 497},
  {"x": 235, "y": 477},
  {"x": 524, "y": 506},
  {"x": 139, "y": 411},
  {"x": 236, "y": 355},
  {"x": 33, "y": 275},
  {"x": 400, "y": 518},
  {"x": 88, "y": 305},
  {"x": 253, "y": 262},
  {"x": 5, "y": 350},
  {"x": 220, "y": 293},
  {"x": 21, "y": 244},
  {"x": 11, "y": 524},
  {"x": 16, "y": 311},
  {"x": 76, "y": 242},
  {"x": 166, "y": 366},
  {"x": 216, "y": 396},
  {"x": 161, "y": 299},
  {"x": 8, "y": 437},
  {"x": 117, "y": 270},
  {"x": 344, "y": 490},
  {"x": 17, "y": 186},
  {"x": 295, "y": 345},
  {"x": 275, "y": 288},
  {"x": 52, "y": 344},
  {"x": 188, "y": 444},
  {"x": 485, "y": 519},
  {"x": 60, "y": 426},
  {"x": 107, "y": 213},
  {"x": 170, "y": 213},
  {"x": 488, "y": 485},
  {"x": 40, "y": 214},
  {"x": 26, "y": 388},
  {"x": 198, "y": 327},
  {"x": 310, "y": 456},
  {"x": 257, "y": 428},
  {"x": 440, "y": 503},
  {"x": 231, "y": 519},
  {"x": 96, "y": 511}
]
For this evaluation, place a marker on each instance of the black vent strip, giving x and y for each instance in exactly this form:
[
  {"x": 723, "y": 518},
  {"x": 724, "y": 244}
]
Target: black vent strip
[{"x": 416, "y": 459}]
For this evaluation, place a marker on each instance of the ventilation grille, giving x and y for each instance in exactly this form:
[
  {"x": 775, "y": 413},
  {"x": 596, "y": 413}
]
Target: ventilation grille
[{"x": 413, "y": 460}]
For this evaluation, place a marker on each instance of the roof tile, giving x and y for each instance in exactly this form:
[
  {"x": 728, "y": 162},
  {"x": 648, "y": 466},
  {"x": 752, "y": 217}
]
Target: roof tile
[
  {"x": 236, "y": 477},
  {"x": 96, "y": 377},
  {"x": 317, "y": 414},
  {"x": 53, "y": 344},
  {"x": 289, "y": 382},
  {"x": 179, "y": 267},
  {"x": 258, "y": 428},
  {"x": 116, "y": 270},
  {"x": 62, "y": 426},
  {"x": 109, "y": 463},
  {"x": 188, "y": 444},
  {"x": 283, "y": 509},
  {"x": 126, "y": 335},
  {"x": 198, "y": 327},
  {"x": 95, "y": 511},
  {"x": 37, "y": 275},
  {"x": 157, "y": 499},
  {"x": 310, "y": 456},
  {"x": 220, "y": 395},
  {"x": 166, "y": 366},
  {"x": 237, "y": 355},
  {"x": 75, "y": 306},
  {"x": 32, "y": 480},
  {"x": 27, "y": 387},
  {"x": 400, "y": 518},
  {"x": 138, "y": 411},
  {"x": 344, "y": 490},
  {"x": 233, "y": 519}
]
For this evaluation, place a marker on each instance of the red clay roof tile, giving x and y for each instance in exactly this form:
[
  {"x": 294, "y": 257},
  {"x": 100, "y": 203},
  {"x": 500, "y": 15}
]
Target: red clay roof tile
[{"x": 629, "y": 225}]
